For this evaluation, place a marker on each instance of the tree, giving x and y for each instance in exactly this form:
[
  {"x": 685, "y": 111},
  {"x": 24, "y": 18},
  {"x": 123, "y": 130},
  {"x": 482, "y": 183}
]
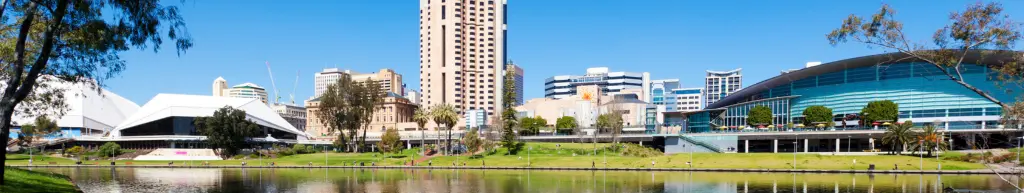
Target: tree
[
  {"x": 227, "y": 129},
  {"x": 818, "y": 114},
  {"x": 390, "y": 142},
  {"x": 759, "y": 115},
  {"x": 73, "y": 41},
  {"x": 897, "y": 136},
  {"x": 347, "y": 106},
  {"x": 110, "y": 149},
  {"x": 508, "y": 115},
  {"x": 566, "y": 124},
  {"x": 444, "y": 114},
  {"x": 531, "y": 125},
  {"x": 612, "y": 123},
  {"x": 929, "y": 139},
  {"x": 421, "y": 117},
  {"x": 472, "y": 141},
  {"x": 41, "y": 127},
  {"x": 878, "y": 111},
  {"x": 369, "y": 100},
  {"x": 982, "y": 29}
]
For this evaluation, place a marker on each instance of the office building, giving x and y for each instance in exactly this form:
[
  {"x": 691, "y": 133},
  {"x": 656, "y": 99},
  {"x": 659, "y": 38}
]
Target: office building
[
  {"x": 517, "y": 79},
  {"x": 294, "y": 114},
  {"x": 475, "y": 119},
  {"x": 246, "y": 90},
  {"x": 413, "y": 96},
  {"x": 720, "y": 84},
  {"x": 688, "y": 99},
  {"x": 388, "y": 79},
  {"x": 462, "y": 53},
  {"x": 610, "y": 83}
]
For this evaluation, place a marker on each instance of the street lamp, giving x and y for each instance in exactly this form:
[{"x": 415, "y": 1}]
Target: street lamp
[
  {"x": 794, "y": 154},
  {"x": 921, "y": 144},
  {"x": 529, "y": 163}
]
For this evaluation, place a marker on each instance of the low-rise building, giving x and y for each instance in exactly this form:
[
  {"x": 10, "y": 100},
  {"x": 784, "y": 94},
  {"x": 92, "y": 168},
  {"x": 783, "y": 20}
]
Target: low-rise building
[
  {"x": 294, "y": 114},
  {"x": 395, "y": 112}
]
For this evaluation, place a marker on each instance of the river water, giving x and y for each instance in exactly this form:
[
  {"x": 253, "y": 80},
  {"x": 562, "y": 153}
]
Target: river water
[{"x": 422, "y": 180}]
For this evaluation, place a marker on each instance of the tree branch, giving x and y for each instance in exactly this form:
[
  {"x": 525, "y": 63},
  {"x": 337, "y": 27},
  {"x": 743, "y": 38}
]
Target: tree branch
[
  {"x": 44, "y": 55},
  {"x": 19, "y": 62}
]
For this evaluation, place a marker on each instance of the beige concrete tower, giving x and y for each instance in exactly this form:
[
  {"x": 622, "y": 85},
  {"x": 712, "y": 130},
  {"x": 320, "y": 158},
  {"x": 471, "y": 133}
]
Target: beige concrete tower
[
  {"x": 220, "y": 87},
  {"x": 462, "y": 53}
]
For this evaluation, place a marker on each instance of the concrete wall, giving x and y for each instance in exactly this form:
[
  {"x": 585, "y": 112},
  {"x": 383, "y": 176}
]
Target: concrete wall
[{"x": 674, "y": 144}]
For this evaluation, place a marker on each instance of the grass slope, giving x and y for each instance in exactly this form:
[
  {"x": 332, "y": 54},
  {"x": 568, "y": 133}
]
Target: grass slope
[
  {"x": 26, "y": 181},
  {"x": 578, "y": 155}
]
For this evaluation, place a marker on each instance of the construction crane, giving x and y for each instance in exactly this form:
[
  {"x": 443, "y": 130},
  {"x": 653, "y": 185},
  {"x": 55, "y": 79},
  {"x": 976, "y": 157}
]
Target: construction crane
[
  {"x": 292, "y": 96},
  {"x": 277, "y": 98}
]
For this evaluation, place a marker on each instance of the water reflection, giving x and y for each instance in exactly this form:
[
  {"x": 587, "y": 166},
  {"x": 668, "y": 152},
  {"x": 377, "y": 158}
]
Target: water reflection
[{"x": 395, "y": 180}]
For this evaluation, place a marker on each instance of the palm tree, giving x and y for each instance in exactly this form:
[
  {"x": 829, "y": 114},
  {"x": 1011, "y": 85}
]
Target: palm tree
[
  {"x": 444, "y": 114},
  {"x": 930, "y": 139},
  {"x": 898, "y": 135},
  {"x": 421, "y": 117}
]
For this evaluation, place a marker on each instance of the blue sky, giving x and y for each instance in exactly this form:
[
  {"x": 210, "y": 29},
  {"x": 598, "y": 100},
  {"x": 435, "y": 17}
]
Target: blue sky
[{"x": 670, "y": 39}]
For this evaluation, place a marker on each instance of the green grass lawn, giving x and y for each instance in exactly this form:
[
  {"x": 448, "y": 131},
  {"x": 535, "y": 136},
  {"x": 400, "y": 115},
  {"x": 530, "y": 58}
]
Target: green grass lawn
[
  {"x": 20, "y": 180},
  {"x": 577, "y": 155}
]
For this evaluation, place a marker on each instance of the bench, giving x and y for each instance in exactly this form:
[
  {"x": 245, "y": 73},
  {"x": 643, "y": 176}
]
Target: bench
[
  {"x": 52, "y": 163},
  {"x": 128, "y": 163}
]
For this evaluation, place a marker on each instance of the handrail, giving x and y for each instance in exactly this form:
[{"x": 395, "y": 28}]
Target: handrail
[{"x": 706, "y": 145}]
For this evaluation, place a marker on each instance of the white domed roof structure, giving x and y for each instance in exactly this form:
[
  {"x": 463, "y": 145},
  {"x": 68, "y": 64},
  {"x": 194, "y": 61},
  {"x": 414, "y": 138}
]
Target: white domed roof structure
[{"x": 172, "y": 114}]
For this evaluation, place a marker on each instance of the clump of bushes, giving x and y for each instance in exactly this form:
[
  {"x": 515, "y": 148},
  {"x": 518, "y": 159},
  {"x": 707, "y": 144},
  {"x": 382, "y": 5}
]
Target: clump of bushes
[
  {"x": 110, "y": 149},
  {"x": 635, "y": 150},
  {"x": 296, "y": 149},
  {"x": 987, "y": 157}
]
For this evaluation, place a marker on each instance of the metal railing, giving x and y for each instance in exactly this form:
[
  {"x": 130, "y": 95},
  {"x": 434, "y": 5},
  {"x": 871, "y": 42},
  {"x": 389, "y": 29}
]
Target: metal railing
[{"x": 703, "y": 144}]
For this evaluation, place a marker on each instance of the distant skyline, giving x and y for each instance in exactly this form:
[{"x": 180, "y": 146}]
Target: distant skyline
[{"x": 669, "y": 39}]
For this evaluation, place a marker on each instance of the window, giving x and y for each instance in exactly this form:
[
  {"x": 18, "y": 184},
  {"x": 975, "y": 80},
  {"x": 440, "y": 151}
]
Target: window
[
  {"x": 860, "y": 74},
  {"x": 894, "y": 71},
  {"x": 802, "y": 83}
]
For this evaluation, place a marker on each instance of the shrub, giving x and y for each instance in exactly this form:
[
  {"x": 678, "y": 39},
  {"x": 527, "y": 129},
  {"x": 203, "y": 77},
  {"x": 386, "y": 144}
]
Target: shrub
[
  {"x": 76, "y": 150},
  {"x": 639, "y": 151},
  {"x": 110, "y": 149}
]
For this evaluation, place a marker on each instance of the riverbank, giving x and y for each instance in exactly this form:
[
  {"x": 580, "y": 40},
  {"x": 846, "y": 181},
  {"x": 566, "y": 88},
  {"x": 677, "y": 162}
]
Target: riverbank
[
  {"x": 27, "y": 181},
  {"x": 960, "y": 172},
  {"x": 575, "y": 156}
]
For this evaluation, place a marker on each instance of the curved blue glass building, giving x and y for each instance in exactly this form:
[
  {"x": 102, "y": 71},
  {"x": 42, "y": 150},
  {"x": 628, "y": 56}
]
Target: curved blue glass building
[{"x": 925, "y": 95}]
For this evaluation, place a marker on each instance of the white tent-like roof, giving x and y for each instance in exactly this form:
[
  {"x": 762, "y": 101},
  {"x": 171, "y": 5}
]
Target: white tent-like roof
[
  {"x": 176, "y": 105},
  {"x": 87, "y": 107}
]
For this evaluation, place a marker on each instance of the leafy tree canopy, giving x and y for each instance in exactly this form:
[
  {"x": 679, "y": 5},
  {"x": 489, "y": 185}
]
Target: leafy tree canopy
[
  {"x": 880, "y": 111},
  {"x": 227, "y": 129},
  {"x": 818, "y": 114},
  {"x": 759, "y": 115}
]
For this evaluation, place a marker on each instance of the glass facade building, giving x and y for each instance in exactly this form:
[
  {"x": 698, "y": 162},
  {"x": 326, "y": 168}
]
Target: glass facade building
[{"x": 924, "y": 94}]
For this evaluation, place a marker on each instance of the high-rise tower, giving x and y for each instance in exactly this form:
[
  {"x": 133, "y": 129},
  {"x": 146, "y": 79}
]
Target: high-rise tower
[
  {"x": 721, "y": 84},
  {"x": 462, "y": 53}
]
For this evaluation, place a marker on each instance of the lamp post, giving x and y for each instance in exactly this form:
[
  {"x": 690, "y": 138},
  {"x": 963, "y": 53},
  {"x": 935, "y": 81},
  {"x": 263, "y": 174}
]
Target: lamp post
[
  {"x": 528, "y": 162},
  {"x": 794, "y": 153},
  {"x": 921, "y": 144},
  {"x": 848, "y": 144},
  {"x": 325, "y": 155},
  {"x": 1018, "y": 148}
]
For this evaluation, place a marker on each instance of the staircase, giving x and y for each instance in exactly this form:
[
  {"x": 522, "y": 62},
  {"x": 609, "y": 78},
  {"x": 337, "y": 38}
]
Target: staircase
[{"x": 708, "y": 146}]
